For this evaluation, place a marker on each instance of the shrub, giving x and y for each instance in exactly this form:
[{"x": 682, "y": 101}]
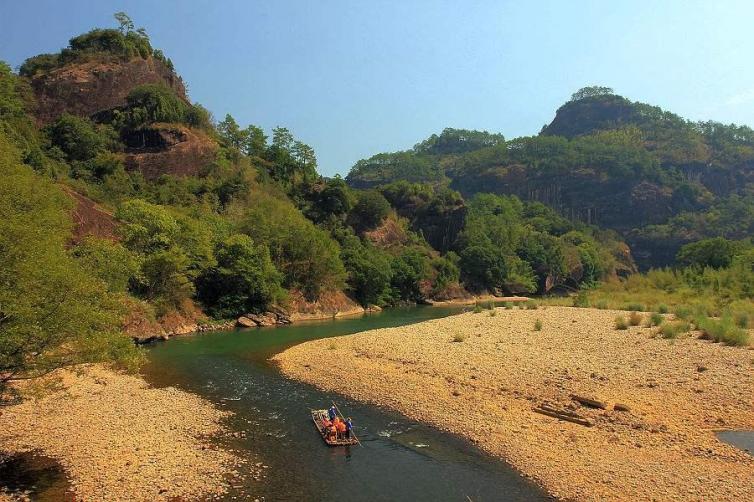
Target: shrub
[
  {"x": 538, "y": 325},
  {"x": 458, "y": 338},
  {"x": 531, "y": 305},
  {"x": 673, "y": 329},
  {"x": 477, "y": 308},
  {"x": 722, "y": 330},
  {"x": 683, "y": 312},
  {"x": 509, "y": 306},
  {"x": 620, "y": 323},
  {"x": 662, "y": 308},
  {"x": 635, "y": 307},
  {"x": 581, "y": 300},
  {"x": 742, "y": 320},
  {"x": 505, "y": 305},
  {"x": 634, "y": 318},
  {"x": 602, "y": 305},
  {"x": 656, "y": 319}
]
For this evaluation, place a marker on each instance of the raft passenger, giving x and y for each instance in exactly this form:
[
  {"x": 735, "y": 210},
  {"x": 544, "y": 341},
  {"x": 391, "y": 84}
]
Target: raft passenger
[{"x": 349, "y": 428}]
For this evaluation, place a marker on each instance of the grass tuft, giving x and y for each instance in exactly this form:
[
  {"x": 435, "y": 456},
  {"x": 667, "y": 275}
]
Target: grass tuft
[
  {"x": 655, "y": 319},
  {"x": 581, "y": 300},
  {"x": 538, "y": 325},
  {"x": 673, "y": 330},
  {"x": 620, "y": 323},
  {"x": 635, "y": 307},
  {"x": 477, "y": 309},
  {"x": 662, "y": 308},
  {"x": 634, "y": 318},
  {"x": 722, "y": 330},
  {"x": 458, "y": 338}
]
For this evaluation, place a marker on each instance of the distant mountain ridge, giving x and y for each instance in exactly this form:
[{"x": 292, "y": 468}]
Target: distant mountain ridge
[{"x": 603, "y": 160}]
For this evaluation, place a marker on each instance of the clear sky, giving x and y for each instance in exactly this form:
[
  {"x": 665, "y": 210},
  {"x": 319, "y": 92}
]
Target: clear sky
[{"x": 353, "y": 78}]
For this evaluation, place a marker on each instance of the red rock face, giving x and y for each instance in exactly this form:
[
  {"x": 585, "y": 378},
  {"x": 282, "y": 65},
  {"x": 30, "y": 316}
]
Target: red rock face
[
  {"x": 169, "y": 149},
  {"x": 87, "y": 88},
  {"x": 90, "y": 220}
]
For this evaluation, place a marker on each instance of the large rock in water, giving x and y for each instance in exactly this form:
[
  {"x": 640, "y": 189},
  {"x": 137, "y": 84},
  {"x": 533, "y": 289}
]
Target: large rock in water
[{"x": 88, "y": 88}]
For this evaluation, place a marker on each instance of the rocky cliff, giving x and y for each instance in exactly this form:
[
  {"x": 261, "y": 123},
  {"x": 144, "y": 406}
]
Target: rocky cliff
[{"x": 88, "y": 88}]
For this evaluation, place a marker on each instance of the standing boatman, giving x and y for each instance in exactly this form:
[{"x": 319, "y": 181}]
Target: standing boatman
[
  {"x": 332, "y": 413},
  {"x": 349, "y": 427}
]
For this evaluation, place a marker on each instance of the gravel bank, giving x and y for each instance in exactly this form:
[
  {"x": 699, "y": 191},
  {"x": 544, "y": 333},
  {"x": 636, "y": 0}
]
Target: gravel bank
[
  {"x": 120, "y": 439},
  {"x": 485, "y": 387}
]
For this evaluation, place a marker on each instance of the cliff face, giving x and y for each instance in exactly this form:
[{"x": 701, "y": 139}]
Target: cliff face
[
  {"x": 169, "y": 149},
  {"x": 87, "y": 88}
]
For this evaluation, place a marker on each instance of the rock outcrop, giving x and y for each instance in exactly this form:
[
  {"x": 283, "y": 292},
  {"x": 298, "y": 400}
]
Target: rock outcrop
[
  {"x": 88, "y": 88},
  {"x": 169, "y": 149}
]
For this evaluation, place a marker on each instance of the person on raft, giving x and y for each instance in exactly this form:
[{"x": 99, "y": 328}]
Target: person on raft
[
  {"x": 332, "y": 413},
  {"x": 349, "y": 428},
  {"x": 340, "y": 426}
]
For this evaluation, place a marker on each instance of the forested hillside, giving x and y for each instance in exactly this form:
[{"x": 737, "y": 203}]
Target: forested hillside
[{"x": 658, "y": 180}]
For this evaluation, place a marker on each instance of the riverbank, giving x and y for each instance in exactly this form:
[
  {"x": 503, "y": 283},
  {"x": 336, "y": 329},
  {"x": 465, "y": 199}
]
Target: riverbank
[
  {"x": 480, "y": 376},
  {"x": 120, "y": 439}
]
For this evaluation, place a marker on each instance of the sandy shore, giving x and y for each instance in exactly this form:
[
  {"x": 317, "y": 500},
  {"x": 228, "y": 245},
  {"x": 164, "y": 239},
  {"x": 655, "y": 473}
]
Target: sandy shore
[
  {"x": 120, "y": 439},
  {"x": 485, "y": 387}
]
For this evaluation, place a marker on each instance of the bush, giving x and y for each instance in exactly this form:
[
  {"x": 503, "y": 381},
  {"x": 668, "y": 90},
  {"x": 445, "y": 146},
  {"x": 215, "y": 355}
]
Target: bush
[
  {"x": 531, "y": 305},
  {"x": 602, "y": 305},
  {"x": 683, "y": 312},
  {"x": 662, "y": 308},
  {"x": 538, "y": 325},
  {"x": 742, "y": 320},
  {"x": 505, "y": 305},
  {"x": 634, "y": 318},
  {"x": 673, "y": 329},
  {"x": 656, "y": 319},
  {"x": 635, "y": 307},
  {"x": 722, "y": 330},
  {"x": 477, "y": 309},
  {"x": 458, "y": 338},
  {"x": 620, "y": 323},
  {"x": 581, "y": 300}
]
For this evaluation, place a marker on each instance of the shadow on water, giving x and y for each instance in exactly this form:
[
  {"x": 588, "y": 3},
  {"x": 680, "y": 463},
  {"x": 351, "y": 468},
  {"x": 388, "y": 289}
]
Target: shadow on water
[
  {"x": 399, "y": 460},
  {"x": 34, "y": 476}
]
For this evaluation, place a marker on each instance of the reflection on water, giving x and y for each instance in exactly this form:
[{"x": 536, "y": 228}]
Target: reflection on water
[{"x": 399, "y": 459}]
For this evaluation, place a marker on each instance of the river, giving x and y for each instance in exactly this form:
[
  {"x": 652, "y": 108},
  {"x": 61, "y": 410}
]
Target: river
[{"x": 399, "y": 459}]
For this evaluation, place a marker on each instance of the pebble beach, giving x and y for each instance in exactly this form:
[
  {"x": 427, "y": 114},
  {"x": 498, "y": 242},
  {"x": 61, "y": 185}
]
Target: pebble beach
[
  {"x": 482, "y": 375},
  {"x": 120, "y": 439}
]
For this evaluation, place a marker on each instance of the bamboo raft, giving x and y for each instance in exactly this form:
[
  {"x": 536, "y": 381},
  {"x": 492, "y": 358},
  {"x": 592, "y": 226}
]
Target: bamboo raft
[{"x": 317, "y": 417}]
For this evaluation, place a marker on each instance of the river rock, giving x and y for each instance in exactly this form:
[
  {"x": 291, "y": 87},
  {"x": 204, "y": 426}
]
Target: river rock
[{"x": 246, "y": 322}]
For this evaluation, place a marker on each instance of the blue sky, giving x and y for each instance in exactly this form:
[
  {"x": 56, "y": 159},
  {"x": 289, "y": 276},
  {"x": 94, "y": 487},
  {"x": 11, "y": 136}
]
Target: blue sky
[{"x": 354, "y": 78}]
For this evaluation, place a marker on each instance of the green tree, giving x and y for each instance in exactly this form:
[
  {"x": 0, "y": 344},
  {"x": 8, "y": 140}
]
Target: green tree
[
  {"x": 370, "y": 210},
  {"x": 115, "y": 265},
  {"x": 244, "y": 279},
  {"x": 715, "y": 253},
  {"x": 52, "y": 313}
]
